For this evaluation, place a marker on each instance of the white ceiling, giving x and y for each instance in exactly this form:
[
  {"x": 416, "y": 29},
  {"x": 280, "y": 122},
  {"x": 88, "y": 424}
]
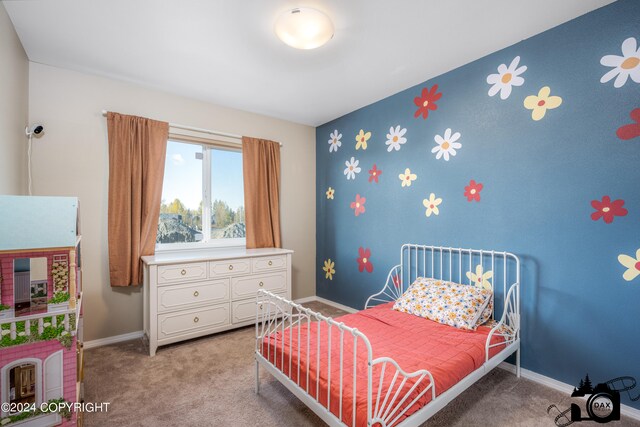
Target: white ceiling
[{"x": 225, "y": 51}]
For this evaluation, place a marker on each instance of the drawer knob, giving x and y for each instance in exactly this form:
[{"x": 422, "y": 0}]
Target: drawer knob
[
  {"x": 196, "y": 319},
  {"x": 260, "y": 306},
  {"x": 183, "y": 272},
  {"x": 196, "y": 293},
  {"x": 230, "y": 267},
  {"x": 261, "y": 284},
  {"x": 270, "y": 262}
]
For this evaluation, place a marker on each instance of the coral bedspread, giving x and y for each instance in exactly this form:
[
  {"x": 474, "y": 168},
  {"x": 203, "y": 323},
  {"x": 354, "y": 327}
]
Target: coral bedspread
[{"x": 414, "y": 343}]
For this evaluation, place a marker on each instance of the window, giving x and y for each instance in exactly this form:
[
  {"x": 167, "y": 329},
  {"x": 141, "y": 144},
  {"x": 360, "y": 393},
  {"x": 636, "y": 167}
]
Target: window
[{"x": 202, "y": 197}]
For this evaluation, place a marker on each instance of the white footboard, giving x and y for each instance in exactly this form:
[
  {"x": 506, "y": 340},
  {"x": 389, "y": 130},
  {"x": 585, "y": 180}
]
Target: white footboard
[{"x": 385, "y": 405}]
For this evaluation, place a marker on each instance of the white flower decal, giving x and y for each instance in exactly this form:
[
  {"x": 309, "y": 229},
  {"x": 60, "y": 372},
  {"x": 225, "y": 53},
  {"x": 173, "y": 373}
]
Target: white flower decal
[
  {"x": 480, "y": 278},
  {"x": 351, "y": 168},
  {"x": 625, "y": 66},
  {"x": 334, "y": 141},
  {"x": 432, "y": 204},
  {"x": 506, "y": 78},
  {"x": 395, "y": 138},
  {"x": 446, "y": 145}
]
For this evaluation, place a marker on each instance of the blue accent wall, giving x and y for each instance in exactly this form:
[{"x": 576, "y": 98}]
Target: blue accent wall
[{"x": 542, "y": 182}]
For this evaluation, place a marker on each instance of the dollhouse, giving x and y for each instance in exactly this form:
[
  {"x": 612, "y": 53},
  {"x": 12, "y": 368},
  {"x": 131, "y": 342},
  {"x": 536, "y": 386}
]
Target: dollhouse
[{"x": 40, "y": 311}]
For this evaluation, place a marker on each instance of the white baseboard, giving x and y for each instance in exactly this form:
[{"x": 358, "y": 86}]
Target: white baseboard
[
  {"x": 327, "y": 302},
  {"x": 112, "y": 340},
  {"x": 625, "y": 410}
]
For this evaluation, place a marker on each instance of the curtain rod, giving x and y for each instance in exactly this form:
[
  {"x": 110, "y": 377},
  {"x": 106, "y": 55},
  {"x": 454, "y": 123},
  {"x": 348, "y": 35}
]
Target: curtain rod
[{"x": 195, "y": 129}]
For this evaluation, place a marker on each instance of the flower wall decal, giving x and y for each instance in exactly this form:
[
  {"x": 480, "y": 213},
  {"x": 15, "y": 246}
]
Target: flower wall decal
[
  {"x": 374, "y": 174},
  {"x": 625, "y": 66},
  {"x": 330, "y": 193},
  {"x": 607, "y": 210},
  {"x": 539, "y": 104},
  {"x": 446, "y": 145},
  {"x": 472, "y": 191},
  {"x": 432, "y": 204},
  {"x": 358, "y": 205},
  {"x": 329, "y": 269},
  {"x": 395, "y": 138},
  {"x": 632, "y": 264},
  {"x": 364, "y": 260},
  {"x": 361, "y": 139},
  {"x": 427, "y": 101},
  {"x": 506, "y": 78},
  {"x": 352, "y": 168},
  {"x": 481, "y": 278},
  {"x": 334, "y": 140},
  {"x": 407, "y": 177},
  {"x": 631, "y": 130}
]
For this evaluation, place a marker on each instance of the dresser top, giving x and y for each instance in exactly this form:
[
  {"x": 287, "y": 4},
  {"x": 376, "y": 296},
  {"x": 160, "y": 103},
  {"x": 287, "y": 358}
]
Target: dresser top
[{"x": 172, "y": 257}]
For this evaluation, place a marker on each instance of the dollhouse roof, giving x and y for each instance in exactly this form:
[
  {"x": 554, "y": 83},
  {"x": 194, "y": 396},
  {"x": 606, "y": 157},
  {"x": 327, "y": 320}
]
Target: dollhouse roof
[{"x": 35, "y": 222}]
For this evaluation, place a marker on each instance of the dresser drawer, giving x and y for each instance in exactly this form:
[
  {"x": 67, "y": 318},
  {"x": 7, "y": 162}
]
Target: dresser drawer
[
  {"x": 192, "y": 294},
  {"x": 268, "y": 263},
  {"x": 229, "y": 267},
  {"x": 181, "y": 272},
  {"x": 244, "y": 311},
  {"x": 244, "y": 287},
  {"x": 186, "y": 322}
]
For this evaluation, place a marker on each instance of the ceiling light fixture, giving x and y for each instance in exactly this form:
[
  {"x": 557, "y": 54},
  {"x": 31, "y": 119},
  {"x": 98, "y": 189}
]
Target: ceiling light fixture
[{"x": 304, "y": 28}]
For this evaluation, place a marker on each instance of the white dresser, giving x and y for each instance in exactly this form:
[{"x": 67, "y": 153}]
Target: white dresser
[{"x": 194, "y": 293}]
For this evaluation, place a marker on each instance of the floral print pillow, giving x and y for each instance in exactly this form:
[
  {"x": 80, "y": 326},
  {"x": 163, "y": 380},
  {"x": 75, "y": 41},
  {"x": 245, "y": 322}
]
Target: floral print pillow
[{"x": 453, "y": 304}]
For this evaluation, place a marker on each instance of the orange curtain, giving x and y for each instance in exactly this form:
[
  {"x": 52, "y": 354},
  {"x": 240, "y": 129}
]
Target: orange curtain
[
  {"x": 137, "y": 150},
  {"x": 261, "y": 170}
]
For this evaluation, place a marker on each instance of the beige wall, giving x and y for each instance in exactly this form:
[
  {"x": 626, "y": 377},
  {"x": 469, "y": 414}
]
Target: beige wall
[
  {"x": 71, "y": 159},
  {"x": 14, "y": 97}
]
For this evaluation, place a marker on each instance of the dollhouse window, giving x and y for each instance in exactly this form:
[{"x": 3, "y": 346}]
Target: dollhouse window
[{"x": 22, "y": 384}]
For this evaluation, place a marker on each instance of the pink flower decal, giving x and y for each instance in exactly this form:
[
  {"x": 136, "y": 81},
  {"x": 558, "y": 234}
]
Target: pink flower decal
[
  {"x": 364, "y": 260},
  {"x": 631, "y": 130},
  {"x": 358, "y": 205},
  {"x": 374, "y": 174},
  {"x": 472, "y": 191},
  {"x": 607, "y": 209}
]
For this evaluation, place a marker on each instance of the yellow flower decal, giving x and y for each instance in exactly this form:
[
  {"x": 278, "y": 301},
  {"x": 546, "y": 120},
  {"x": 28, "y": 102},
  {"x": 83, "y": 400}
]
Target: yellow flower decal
[
  {"x": 330, "y": 192},
  {"x": 432, "y": 205},
  {"x": 541, "y": 103},
  {"x": 407, "y": 177},
  {"x": 329, "y": 269},
  {"x": 632, "y": 264},
  {"x": 480, "y": 278},
  {"x": 361, "y": 139}
]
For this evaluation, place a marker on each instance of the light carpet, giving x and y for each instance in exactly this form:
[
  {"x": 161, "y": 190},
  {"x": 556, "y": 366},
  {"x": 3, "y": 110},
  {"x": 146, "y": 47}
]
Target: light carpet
[{"x": 210, "y": 382}]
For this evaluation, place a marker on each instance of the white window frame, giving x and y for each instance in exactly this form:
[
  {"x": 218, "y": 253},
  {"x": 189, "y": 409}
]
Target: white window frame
[{"x": 207, "y": 144}]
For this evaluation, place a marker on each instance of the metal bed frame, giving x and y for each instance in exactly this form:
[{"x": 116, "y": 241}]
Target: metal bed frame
[{"x": 276, "y": 314}]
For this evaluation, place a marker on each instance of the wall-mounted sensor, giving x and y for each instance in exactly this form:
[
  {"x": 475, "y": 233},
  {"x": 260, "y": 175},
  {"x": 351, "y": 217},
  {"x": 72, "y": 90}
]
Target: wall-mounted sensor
[{"x": 35, "y": 130}]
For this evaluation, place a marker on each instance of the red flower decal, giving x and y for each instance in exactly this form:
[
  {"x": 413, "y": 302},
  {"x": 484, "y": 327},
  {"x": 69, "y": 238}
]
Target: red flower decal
[
  {"x": 472, "y": 191},
  {"x": 427, "y": 101},
  {"x": 364, "y": 260},
  {"x": 607, "y": 209},
  {"x": 358, "y": 205},
  {"x": 632, "y": 130},
  {"x": 397, "y": 282},
  {"x": 374, "y": 174}
]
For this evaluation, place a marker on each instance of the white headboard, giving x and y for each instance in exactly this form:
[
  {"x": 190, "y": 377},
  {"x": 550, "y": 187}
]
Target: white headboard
[{"x": 455, "y": 265}]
